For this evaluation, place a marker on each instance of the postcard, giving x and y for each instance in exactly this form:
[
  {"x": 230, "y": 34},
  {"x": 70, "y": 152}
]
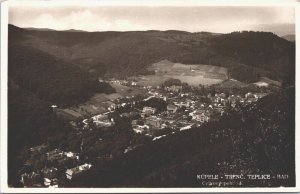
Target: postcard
[{"x": 149, "y": 96}]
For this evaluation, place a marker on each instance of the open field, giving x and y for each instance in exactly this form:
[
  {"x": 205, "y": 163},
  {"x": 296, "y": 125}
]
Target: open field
[{"x": 191, "y": 74}]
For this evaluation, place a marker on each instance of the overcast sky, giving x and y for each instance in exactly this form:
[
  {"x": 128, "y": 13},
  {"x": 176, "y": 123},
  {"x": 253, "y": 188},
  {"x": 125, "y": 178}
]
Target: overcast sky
[{"x": 192, "y": 19}]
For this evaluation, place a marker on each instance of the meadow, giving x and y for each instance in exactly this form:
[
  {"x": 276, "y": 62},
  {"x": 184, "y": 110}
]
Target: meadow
[{"x": 192, "y": 74}]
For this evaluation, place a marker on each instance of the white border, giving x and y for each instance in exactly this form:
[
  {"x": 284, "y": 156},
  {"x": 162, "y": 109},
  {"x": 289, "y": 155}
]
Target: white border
[
  {"x": 4, "y": 34},
  {"x": 153, "y": 3},
  {"x": 3, "y": 97}
]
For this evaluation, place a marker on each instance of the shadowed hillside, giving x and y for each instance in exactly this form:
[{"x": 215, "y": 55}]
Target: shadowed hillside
[{"x": 50, "y": 78}]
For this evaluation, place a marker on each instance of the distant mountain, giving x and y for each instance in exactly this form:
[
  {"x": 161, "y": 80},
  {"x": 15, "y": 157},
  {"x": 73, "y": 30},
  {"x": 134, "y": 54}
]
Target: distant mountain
[
  {"x": 280, "y": 29},
  {"x": 121, "y": 54},
  {"x": 40, "y": 29},
  {"x": 48, "y": 29},
  {"x": 290, "y": 37},
  {"x": 74, "y": 30}
]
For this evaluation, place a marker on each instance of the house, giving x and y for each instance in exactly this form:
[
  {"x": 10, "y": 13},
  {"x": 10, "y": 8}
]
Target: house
[
  {"x": 112, "y": 105},
  {"x": 47, "y": 182},
  {"x": 134, "y": 122},
  {"x": 222, "y": 95},
  {"x": 201, "y": 117},
  {"x": 101, "y": 117},
  {"x": 73, "y": 172},
  {"x": 148, "y": 111},
  {"x": 173, "y": 88},
  {"x": 261, "y": 84},
  {"x": 186, "y": 127},
  {"x": 102, "y": 120},
  {"x": 233, "y": 100},
  {"x": 140, "y": 128},
  {"x": 249, "y": 95},
  {"x": 72, "y": 155},
  {"x": 153, "y": 121},
  {"x": 260, "y": 95},
  {"x": 171, "y": 108},
  {"x": 216, "y": 99}
]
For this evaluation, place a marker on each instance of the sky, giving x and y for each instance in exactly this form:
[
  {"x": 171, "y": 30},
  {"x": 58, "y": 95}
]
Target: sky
[{"x": 279, "y": 20}]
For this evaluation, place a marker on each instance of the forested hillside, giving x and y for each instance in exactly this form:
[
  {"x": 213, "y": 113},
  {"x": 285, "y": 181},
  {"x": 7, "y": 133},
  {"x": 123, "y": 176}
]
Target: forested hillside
[
  {"x": 129, "y": 53},
  {"x": 51, "y": 79}
]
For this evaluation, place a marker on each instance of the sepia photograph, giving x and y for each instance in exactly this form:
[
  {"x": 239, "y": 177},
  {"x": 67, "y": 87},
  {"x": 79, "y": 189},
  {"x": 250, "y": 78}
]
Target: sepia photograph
[{"x": 104, "y": 95}]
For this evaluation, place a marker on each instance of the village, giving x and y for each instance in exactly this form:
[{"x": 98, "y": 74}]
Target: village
[{"x": 155, "y": 113}]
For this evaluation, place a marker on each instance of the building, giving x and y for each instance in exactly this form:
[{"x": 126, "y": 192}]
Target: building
[
  {"x": 233, "y": 100},
  {"x": 173, "y": 88},
  {"x": 260, "y": 95},
  {"x": 73, "y": 172},
  {"x": 171, "y": 108},
  {"x": 201, "y": 118},
  {"x": 153, "y": 122},
  {"x": 148, "y": 111},
  {"x": 134, "y": 122},
  {"x": 101, "y": 117},
  {"x": 222, "y": 95},
  {"x": 72, "y": 155},
  {"x": 261, "y": 84},
  {"x": 184, "y": 104},
  {"x": 102, "y": 120},
  {"x": 249, "y": 95},
  {"x": 140, "y": 128}
]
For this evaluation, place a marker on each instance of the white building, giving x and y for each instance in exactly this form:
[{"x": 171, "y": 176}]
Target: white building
[{"x": 70, "y": 173}]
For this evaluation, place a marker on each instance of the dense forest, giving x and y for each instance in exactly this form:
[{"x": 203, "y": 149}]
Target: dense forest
[
  {"x": 257, "y": 139},
  {"x": 121, "y": 54}
]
